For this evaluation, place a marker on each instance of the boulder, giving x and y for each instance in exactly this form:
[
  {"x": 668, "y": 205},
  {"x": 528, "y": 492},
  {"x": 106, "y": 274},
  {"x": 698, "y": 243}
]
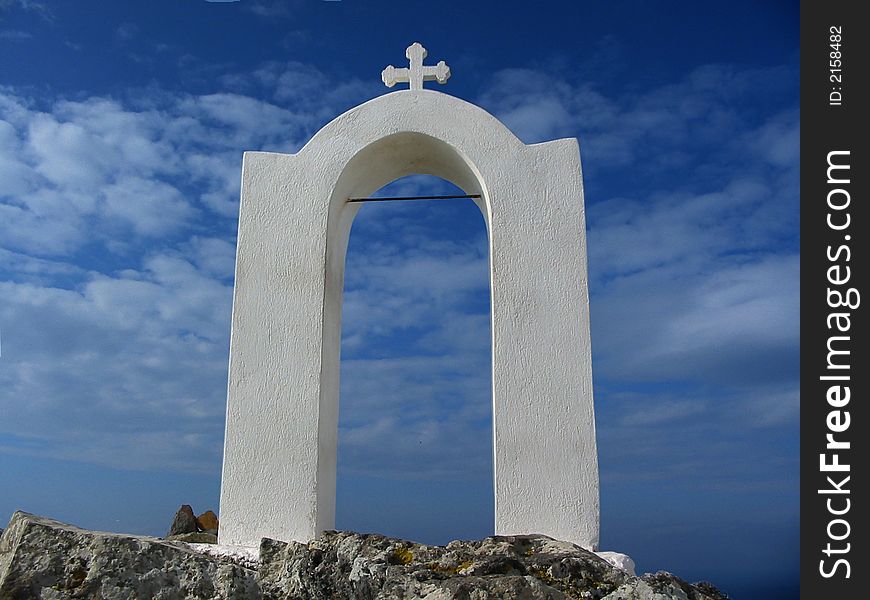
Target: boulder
[
  {"x": 207, "y": 521},
  {"x": 43, "y": 558},
  {"x": 342, "y": 565},
  {"x": 184, "y": 521}
]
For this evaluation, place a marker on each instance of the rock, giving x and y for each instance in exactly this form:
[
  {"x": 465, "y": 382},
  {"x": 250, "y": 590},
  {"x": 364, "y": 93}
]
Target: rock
[
  {"x": 184, "y": 521},
  {"x": 711, "y": 590},
  {"x": 618, "y": 560},
  {"x": 207, "y": 521},
  {"x": 198, "y": 537},
  {"x": 342, "y": 565},
  {"x": 43, "y": 558},
  {"x": 664, "y": 586},
  {"x": 241, "y": 555}
]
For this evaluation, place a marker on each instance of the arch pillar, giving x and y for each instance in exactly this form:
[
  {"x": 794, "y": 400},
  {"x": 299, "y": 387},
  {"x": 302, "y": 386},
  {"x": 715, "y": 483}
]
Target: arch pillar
[{"x": 280, "y": 450}]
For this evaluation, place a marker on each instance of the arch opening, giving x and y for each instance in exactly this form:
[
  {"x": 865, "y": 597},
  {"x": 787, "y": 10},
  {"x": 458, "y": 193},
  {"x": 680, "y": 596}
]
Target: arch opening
[
  {"x": 386, "y": 160},
  {"x": 415, "y": 418}
]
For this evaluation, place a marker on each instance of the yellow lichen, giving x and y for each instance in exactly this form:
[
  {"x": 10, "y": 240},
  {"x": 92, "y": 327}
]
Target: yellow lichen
[
  {"x": 439, "y": 568},
  {"x": 544, "y": 576},
  {"x": 403, "y": 555}
]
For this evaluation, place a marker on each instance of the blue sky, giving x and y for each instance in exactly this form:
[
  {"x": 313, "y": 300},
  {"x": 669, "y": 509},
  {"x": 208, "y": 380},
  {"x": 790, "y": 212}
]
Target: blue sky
[{"x": 122, "y": 127}]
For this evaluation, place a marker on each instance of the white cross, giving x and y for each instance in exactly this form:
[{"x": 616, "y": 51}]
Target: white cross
[{"x": 417, "y": 73}]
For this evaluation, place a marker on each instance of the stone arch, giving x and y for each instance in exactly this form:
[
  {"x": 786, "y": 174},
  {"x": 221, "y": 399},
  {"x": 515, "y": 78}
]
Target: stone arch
[{"x": 282, "y": 409}]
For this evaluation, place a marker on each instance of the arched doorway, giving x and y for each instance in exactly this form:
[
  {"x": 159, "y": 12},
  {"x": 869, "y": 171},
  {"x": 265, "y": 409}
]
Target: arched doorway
[
  {"x": 282, "y": 409},
  {"x": 415, "y": 417}
]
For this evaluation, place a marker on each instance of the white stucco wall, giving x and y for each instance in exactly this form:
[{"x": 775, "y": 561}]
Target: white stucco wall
[{"x": 282, "y": 410}]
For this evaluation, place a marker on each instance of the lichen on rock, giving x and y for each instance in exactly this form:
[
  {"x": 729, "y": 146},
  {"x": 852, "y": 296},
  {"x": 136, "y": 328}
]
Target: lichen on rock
[
  {"x": 343, "y": 565},
  {"x": 43, "y": 558}
]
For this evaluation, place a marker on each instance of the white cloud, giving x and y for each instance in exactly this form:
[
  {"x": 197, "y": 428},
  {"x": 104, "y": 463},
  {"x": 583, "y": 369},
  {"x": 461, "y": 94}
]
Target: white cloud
[
  {"x": 269, "y": 9},
  {"x": 23, "y": 265},
  {"x": 15, "y": 176},
  {"x": 704, "y": 324},
  {"x": 66, "y": 153},
  {"x": 630, "y": 235},
  {"x": 772, "y": 406},
  {"x": 674, "y": 118},
  {"x": 126, "y": 31},
  {"x": 214, "y": 256},
  {"x": 38, "y": 228},
  {"x": 152, "y": 208},
  {"x": 420, "y": 417},
  {"x": 778, "y": 140},
  {"x": 148, "y": 166},
  {"x": 28, "y": 5},
  {"x": 137, "y": 358},
  {"x": 657, "y": 412},
  {"x": 752, "y": 302},
  {"x": 387, "y": 292},
  {"x": 15, "y": 34},
  {"x": 220, "y": 174}
]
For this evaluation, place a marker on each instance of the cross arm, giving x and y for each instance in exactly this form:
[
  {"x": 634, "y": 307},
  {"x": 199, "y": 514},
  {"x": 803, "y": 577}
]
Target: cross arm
[
  {"x": 439, "y": 73},
  {"x": 391, "y": 75}
]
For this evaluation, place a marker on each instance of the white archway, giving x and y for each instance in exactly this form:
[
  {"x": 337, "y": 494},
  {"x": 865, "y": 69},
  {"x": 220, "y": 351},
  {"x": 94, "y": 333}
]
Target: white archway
[{"x": 282, "y": 410}]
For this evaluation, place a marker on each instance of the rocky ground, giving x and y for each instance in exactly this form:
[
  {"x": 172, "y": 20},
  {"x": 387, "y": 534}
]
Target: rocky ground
[{"x": 43, "y": 558}]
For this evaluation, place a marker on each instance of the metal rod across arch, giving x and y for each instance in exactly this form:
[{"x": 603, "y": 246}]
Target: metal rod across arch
[{"x": 457, "y": 197}]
